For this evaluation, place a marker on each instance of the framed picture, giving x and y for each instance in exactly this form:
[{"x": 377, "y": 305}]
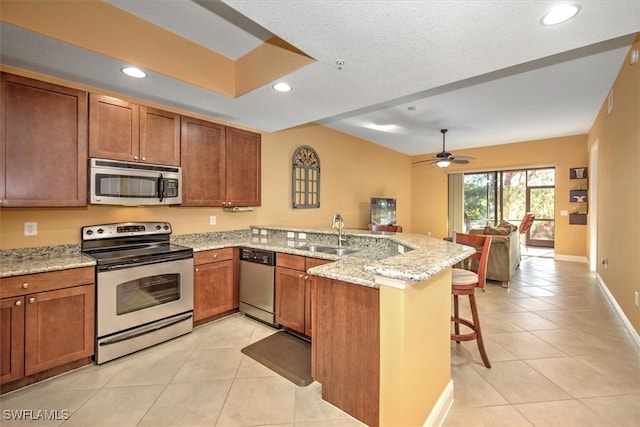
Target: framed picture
[
  {"x": 578, "y": 173},
  {"x": 578, "y": 196}
]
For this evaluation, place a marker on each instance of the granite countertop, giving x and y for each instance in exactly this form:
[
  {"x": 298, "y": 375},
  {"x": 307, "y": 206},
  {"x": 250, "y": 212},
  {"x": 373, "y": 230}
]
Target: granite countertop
[
  {"x": 402, "y": 256},
  {"x": 17, "y": 262},
  {"x": 407, "y": 257}
]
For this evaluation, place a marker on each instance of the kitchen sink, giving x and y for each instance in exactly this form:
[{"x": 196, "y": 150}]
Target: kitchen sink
[{"x": 327, "y": 249}]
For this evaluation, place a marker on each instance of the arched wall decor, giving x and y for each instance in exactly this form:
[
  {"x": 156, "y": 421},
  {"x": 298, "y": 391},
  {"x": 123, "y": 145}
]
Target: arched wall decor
[{"x": 305, "y": 178}]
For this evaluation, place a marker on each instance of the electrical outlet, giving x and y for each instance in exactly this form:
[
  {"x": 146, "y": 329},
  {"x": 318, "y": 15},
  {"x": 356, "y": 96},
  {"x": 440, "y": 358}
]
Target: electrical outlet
[
  {"x": 30, "y": 228},
  {"x": 212, "y": 220},
  {"x": 635, "y": 298}
]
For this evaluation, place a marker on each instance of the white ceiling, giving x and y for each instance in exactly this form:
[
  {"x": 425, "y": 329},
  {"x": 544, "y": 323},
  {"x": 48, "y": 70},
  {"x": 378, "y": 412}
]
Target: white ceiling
[{"x": 486, "y": 70}]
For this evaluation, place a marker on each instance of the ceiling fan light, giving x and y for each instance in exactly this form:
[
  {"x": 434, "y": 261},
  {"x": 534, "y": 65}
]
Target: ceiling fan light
[{"x": 443, "y": 163}]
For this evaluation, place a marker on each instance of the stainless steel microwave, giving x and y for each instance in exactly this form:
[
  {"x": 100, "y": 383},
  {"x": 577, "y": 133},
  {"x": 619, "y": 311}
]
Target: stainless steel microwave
[{"x": 114, "y": 182}]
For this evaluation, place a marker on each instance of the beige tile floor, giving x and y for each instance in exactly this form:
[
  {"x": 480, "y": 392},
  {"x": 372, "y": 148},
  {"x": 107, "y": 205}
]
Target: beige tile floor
[{"x": 559, "y": 355}]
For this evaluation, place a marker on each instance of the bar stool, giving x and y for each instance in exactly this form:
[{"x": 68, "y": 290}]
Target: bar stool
[{"x": 464, "y": 281}]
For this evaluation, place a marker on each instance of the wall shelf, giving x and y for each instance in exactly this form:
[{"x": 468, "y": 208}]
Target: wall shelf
[{"x": 578, "y": 195}]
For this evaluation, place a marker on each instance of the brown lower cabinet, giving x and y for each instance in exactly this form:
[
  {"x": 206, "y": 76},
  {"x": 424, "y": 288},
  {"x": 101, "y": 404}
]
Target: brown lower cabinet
[
  {"x": 47, "y": 321},
  {"x": 215, "y": 283},
  {"x": 294, "y": 290}
]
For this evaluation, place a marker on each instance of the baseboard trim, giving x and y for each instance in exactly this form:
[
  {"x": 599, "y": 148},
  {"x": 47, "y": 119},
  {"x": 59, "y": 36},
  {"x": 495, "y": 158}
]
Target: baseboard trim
[
  {"x": 441, "y": 408},
  {"x": 571, "y": 258},
  {"x": 628, "y": 327}
]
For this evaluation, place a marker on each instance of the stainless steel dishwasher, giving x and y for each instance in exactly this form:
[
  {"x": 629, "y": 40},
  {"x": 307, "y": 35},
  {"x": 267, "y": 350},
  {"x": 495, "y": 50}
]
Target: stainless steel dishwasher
[{"x": 257, "y": 284}]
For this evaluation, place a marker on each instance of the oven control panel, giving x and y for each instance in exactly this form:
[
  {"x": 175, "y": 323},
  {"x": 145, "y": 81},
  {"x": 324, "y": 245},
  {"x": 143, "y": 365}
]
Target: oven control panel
[{"x": 126, "y": 229}]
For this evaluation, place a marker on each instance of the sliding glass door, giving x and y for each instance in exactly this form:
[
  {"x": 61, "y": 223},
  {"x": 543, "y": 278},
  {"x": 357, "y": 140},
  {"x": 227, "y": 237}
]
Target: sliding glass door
[
  {"x": 541, "y": 202},
  {"x": 508, "y": 195}
]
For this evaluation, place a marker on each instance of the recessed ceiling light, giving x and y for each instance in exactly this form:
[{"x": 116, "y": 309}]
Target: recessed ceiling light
[
  {"x": 282, "y": 87},
  {"x": 383, "y": 128},
  {"x": 134, "y": 72},
  {"x": 560, "y": 13}
]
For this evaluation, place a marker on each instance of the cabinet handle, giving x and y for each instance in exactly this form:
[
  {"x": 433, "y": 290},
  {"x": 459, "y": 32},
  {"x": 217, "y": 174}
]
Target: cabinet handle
[
  {"x": 19, "y": 303},
  {"x": 144, "y": 159},
  {"x": 306, "y": 277},
  {"x": 301, "y": 276},
  {"x": 135, "y": 157},
  {"x": 197, "y": 269},
  {"x": 215, "y": 255},
  {"x": 32, "y": 300},
  {"x": 25, "y": 285}
]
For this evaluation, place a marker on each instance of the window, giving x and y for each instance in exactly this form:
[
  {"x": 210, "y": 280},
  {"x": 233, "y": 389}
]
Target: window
[{"x": 480, "y": 203}]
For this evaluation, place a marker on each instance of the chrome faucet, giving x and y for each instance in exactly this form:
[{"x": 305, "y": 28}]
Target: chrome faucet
[{"x": 338, "y": 217}]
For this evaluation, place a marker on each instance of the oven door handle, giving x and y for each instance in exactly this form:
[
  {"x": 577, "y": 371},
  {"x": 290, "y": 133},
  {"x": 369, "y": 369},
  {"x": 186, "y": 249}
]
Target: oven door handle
[
  {"x": 147, "y": 330},
  {"x": 137, "y": 262}
]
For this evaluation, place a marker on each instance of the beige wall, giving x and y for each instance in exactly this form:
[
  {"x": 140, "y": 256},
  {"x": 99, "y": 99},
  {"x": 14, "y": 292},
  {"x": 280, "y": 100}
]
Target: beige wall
[
  {"x": 617, "y": 135},
  {"x": 352, "y": 171},
  {"x": 430, "y": 184}
]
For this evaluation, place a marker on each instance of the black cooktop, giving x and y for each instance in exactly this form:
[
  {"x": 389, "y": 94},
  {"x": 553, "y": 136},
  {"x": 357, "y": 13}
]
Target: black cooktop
[{"x": 125, "y": 244}]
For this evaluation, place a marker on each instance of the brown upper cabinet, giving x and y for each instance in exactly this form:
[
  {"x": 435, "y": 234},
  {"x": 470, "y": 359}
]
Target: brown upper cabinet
[
  {"x": 243, "y": 168},
  {"x": 122, "y": 130},
  {"x": 43, "y": 144},
  {"x": 220, "y": 165}
]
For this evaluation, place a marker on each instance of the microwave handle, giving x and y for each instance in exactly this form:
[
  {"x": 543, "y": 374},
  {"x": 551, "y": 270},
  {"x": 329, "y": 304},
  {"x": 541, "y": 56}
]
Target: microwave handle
[{"x": 161, "y": 188}]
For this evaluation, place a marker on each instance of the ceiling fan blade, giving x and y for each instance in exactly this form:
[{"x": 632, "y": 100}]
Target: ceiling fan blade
[
  {"x": 424, "y": 161},
  {"x": 463, "y": 158},
  {"x": 460, "y": 161}
]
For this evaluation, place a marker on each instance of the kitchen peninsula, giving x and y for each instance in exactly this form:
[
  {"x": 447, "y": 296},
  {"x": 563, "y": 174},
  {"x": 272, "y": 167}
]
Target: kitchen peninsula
[{"x": 381, "y": 337}]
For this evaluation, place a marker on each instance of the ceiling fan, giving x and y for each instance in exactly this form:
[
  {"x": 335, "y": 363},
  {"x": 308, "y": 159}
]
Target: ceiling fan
[{"x": 444, "y": 158}]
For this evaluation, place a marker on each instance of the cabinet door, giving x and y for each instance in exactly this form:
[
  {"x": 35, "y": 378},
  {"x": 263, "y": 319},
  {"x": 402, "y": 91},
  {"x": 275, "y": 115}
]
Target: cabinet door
[
  {"x": 213, "y": 289},
  {"x": 203, "y": 163},
  {"x": 43, "y": 144},
  {"x": 310, "y": 291},
  {"x": 12, "y": 339},
  {"x": 114, "y": 128},
  {"x": 309, "y": 299},
  {"x": 59, "y": 327},
  {"x": 159, "y": 136},
  {"x": 243, "y": 168},
  {"x": 290, "y": 298}
]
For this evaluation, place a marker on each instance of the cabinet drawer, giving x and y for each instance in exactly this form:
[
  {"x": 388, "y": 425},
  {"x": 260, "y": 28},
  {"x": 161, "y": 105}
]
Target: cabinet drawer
[
  {"x": 31, "y": 283},
  {"x": 314, "y": 262},
  {"x": 295, "y": 262},
  {"x": 205, "y": 257}
]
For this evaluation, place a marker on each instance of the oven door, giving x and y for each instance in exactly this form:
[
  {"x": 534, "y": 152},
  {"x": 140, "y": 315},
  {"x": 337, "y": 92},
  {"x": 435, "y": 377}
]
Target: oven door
[{"x": 134, "y": 296}]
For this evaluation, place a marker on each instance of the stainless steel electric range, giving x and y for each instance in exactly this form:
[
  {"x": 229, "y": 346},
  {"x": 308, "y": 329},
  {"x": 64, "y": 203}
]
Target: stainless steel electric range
[{"x": 144, "y": 286}]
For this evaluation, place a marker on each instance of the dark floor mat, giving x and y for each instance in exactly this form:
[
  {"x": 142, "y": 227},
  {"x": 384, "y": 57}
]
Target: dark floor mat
[{"x": 285, "y": 354}]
